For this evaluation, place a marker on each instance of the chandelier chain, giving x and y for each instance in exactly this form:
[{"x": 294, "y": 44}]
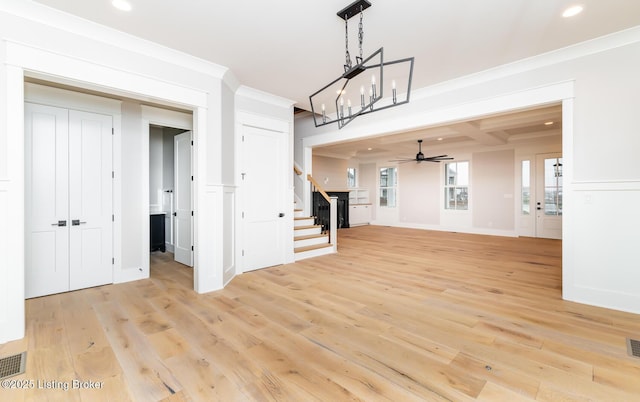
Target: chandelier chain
[
  {"x": 347, "y": 56},
  {"x": 360, "y": 33}
]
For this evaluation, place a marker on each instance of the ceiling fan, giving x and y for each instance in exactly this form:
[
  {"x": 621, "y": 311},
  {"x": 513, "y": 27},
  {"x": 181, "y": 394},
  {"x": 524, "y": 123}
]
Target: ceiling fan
[{"x": 421, "y": 158}]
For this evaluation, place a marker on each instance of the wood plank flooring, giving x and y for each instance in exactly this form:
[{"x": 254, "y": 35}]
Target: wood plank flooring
[{"x": 397, "y": 315}]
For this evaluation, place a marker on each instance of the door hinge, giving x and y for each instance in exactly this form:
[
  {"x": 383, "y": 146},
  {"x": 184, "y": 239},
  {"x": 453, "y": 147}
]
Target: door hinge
[
  {"x": 191, "y": 142},
  {"x": 113, "y": 174},
  {"x": 191, "y": 213},
  {"x": 243, "y": 138},
  {"x": 113, "y": 218},
  {"x": 191, "y": 178},
  {"x": 113, "y": 260},
  {"x": 191, "y": 248},
  {"x": 113, "y": 131},
  {"x": 242, "y": 214},
  {"x": 243, "y": 253}
]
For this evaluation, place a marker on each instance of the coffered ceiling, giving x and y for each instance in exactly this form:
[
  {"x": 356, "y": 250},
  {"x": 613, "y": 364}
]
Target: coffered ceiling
[{"x": 523, "y": 126}]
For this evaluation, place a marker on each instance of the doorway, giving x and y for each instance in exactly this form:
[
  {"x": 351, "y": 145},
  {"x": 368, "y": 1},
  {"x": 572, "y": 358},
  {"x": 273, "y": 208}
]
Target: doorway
[
  {"x": 548, "y": 207},
  {"x": 541, "y": 198},
  {"x": 171, "y": 192}
]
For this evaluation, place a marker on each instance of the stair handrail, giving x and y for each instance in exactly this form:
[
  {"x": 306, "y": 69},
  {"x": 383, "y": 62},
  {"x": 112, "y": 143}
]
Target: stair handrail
[
  {"x": 296, "y": 169},
  {"x": 318, "y": 188},
  {"x": 330, "y": 222}
]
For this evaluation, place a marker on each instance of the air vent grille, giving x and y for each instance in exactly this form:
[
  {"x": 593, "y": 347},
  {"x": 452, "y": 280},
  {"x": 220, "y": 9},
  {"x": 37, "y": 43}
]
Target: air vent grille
[
  {"x": 12, "y": 365},
  {"x": 633, "y": 347}
]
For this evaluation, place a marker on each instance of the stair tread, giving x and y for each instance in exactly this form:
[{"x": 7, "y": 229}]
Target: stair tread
[
  {"x": 306, "y": 227},
  {"x": 313, "y": 236},
  {"x": 314, "y": 247},
  {"x": 301, "y": 218}
]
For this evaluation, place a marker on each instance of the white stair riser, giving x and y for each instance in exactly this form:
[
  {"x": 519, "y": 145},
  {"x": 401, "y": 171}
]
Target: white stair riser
[
  {"x": 313, "y": 253},
  {"x": 310, "y": 242},
  {"x": 298, "y": 214},
  {"x": 306, "y": 232},
  {"x": 302, "y": 222}
]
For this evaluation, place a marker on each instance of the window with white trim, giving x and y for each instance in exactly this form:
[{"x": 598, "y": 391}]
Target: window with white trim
[
  {"x": 388, "y": 184},
  {"x": 456, "y": 185},
  {"x": 351, "y": 177}
]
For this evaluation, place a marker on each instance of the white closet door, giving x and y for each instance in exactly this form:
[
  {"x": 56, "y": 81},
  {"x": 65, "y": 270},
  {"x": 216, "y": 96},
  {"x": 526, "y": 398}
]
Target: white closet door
[
  {"x": 263, "y": 168},
  {"x": 68, "y": 200},
  {"x": 182, "y": 190},
  {"x": 46, "y": 200},
  {"x": 90, "y": 200}
]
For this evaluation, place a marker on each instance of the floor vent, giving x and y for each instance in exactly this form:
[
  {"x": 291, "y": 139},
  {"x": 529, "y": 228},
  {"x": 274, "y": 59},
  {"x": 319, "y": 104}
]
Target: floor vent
[
  {"x": 633, "y": 347},
  {"x": 12, "y": 365}
]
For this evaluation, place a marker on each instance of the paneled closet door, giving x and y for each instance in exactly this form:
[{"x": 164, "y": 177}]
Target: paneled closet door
[
  {"x": 46, "y": 200},
  {"x": 90, "y": 200},
  {"x": 68, "y": 200}
]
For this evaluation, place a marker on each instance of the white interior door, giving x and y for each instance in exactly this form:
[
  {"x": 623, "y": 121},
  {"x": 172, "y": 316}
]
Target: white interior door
[
  {"x": 68, "y": 197},
  {"x": 263, "y": 173},
  {"x": 548, "y": 205},
  {"x": 46, "y": 200},
  {"x": 183, "y": 251},
  {"x": 90, "y": 200}
]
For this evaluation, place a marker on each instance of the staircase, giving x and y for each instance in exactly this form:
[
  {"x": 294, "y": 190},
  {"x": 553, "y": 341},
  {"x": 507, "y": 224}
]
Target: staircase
[{"x": 308, "y": 239}]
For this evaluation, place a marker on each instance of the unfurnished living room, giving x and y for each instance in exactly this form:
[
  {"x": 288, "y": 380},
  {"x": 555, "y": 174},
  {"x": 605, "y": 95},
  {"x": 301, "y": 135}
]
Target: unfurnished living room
[{"x": 340, "y": 200}]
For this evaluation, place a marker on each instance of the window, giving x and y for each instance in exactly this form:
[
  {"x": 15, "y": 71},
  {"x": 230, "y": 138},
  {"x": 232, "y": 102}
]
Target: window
[
  {"x": 553, "y": 186},
  {"x": 456, "y": 187},
  {"x": 351, "y": 177},
  {"x": 388, "y": 183},
  {"x": 526, "y": 188}
]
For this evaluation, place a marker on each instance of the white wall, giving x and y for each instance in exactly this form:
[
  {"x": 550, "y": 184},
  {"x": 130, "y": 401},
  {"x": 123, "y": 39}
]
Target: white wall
[
  {"x": 156, "y": 170},
  {"x": 331, "y": 173},
  {"x": 598, "y": 84},
  {"x": 420, "y": 193},
  {"x": 492, "y": 190}
]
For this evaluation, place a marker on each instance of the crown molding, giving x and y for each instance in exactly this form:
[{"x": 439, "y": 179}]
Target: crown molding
[
  {"x": 265, "y": 97},
  {"x": 57, "y": 19}
]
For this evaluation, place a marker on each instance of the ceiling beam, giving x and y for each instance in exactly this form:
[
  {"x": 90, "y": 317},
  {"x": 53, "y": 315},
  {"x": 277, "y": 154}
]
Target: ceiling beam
[{"x": 483, "y": 137}]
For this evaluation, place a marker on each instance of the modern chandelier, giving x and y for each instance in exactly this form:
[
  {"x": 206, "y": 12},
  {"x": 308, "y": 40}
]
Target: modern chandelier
[{"x": 353, "y": 93}]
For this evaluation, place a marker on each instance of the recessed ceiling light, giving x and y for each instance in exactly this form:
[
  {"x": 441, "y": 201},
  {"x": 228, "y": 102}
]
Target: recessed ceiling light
[
  {"x": 572, "y": 11},
  {"x": 440, "y": 139},
  {"x": 122, "y": 5},
  {"x": 369, "y": 149},
  {"x": 548, "y": 123}
]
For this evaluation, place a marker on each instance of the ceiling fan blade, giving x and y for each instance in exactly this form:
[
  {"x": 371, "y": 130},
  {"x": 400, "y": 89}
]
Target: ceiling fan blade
[
  {"x": 438, "y": 156},
  {"x": 402, "y": 160}
]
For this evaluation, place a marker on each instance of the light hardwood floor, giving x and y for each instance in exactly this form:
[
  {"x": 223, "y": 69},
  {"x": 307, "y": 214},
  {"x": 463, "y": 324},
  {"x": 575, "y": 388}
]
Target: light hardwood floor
[{"x": 397, "y": 315}]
